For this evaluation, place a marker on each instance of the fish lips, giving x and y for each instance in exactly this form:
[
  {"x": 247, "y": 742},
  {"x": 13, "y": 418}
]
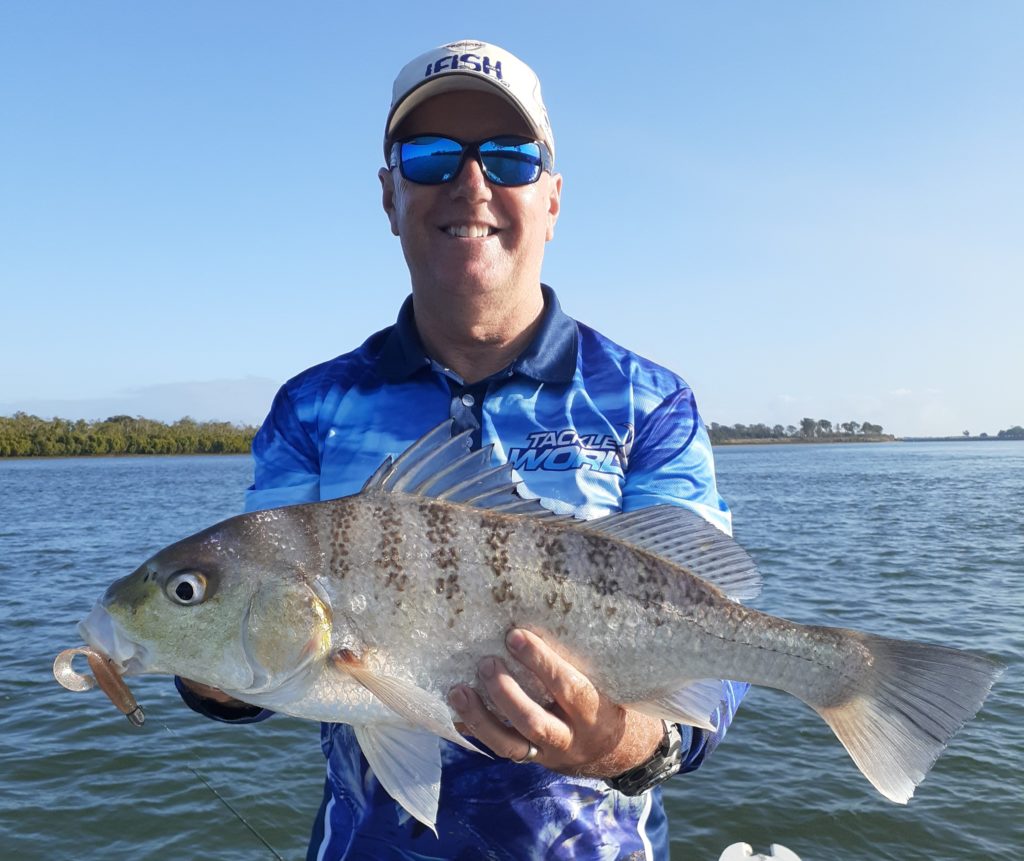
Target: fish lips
[{"x": 102, "y": 632}]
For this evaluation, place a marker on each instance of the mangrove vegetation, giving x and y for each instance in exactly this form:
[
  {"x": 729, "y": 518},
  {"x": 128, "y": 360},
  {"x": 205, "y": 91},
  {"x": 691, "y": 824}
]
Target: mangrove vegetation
[
  {"x": 23, "y": 435},
  {"x": 809, "y": 430}
]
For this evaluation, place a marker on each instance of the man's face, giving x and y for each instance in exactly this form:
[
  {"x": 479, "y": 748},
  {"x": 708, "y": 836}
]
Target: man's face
[{"x": 500, "y": 259}]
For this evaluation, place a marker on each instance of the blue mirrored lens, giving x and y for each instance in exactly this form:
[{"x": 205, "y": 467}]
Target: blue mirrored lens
[
  {"x": 511, "y": 161},
  {"x": 432, "y": 160}
]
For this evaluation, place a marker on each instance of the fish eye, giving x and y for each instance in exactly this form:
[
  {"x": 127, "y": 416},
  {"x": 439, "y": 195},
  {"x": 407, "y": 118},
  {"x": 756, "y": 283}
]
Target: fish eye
[{"x": 186, "y": 588}]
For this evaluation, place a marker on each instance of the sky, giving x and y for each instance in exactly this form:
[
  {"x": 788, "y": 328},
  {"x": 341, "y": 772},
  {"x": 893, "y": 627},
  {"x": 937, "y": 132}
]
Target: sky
[{"x": 803, "y": 208}]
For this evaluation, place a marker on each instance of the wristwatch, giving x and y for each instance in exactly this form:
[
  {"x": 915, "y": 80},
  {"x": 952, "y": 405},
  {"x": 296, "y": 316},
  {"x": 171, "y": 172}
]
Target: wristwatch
[{"x": 664, "y": 763}]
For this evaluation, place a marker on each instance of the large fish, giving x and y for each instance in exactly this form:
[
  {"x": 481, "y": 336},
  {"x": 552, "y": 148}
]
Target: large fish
[{"x": 369, "y": 608}]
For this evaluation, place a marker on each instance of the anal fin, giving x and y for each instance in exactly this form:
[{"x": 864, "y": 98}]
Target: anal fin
[{"x": 407, "y": 762}]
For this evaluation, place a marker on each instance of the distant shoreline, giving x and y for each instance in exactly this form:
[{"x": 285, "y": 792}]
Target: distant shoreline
[
  {"x": 134, "y": 454},
  {"x": 854, "y": 439},
  {"x": 797, "y": 440}
]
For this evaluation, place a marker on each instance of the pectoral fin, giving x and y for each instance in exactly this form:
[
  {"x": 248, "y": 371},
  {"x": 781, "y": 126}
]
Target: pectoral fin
[
  {"x": 692, "y": 704},
  {"x": 419, "y": 707},
  {"x": 407, "y": 762}
]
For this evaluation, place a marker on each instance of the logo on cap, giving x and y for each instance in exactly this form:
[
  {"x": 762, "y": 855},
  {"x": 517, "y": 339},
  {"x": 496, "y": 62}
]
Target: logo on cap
[{"x": 468, "y": 61}]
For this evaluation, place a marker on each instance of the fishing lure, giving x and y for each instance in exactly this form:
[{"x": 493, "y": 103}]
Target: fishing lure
[{"x": 103, "y": 675}]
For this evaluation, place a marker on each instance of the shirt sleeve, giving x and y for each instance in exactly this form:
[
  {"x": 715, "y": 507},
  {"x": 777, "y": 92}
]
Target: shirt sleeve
[
  {"x": 286, "y": 459},
  {"x": 671, "y": 463}
]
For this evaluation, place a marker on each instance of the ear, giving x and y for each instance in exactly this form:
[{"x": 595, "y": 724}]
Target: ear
[
  {"x": 554, "y": 204},
  {"x": 387, "y": 184}
]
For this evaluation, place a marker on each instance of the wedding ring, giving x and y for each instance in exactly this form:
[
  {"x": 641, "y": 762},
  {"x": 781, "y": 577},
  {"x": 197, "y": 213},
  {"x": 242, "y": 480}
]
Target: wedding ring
[{"x": 529, "y": 756}]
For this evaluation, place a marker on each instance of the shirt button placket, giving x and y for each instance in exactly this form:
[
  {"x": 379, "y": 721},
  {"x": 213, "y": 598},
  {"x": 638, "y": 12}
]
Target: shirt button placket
[{"x": 466, "y": 410}]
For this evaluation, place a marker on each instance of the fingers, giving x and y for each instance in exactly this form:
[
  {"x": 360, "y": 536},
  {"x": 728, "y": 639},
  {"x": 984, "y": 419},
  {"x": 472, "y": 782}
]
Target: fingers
[
  {"x": 479, "y": 721},
  {"x": 567, "y": 685},
  {"x": 583, "y": 733},
  {"x": 564, "y": 736},
  {"x": 527, "y": 717}
]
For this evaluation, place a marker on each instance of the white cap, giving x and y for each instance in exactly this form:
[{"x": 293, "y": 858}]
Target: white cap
[{"x": 469, "y": 65}]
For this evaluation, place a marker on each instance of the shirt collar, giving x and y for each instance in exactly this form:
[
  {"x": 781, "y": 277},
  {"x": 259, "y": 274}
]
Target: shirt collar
[{"x": 549, "y": 358}]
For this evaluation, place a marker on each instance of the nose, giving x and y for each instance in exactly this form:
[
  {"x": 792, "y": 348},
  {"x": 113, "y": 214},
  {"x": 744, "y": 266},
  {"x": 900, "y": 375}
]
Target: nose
[{"x": 470, "y": 183}]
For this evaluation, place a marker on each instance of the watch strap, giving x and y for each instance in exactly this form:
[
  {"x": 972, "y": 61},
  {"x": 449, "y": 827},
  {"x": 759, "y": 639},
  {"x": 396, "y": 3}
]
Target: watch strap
[{"x": 663, "y": 764}]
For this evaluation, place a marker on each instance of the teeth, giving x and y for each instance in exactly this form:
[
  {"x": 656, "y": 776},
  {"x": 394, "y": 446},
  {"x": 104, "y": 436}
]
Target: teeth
[{"x": 473, "y": 231}]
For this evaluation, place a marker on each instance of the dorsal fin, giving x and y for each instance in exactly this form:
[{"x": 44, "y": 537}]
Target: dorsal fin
[
  {"x": 686, "y": 539},
  {"x": 441, "y": 466},
  {"x": 430, "y": 453}
]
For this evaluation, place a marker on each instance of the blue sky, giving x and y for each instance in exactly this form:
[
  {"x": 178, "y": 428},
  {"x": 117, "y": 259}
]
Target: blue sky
[{"x": 804, "y": 208}]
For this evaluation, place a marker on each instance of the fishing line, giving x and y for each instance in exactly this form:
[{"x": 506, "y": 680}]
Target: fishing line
[{"x": 227, "y": 803}]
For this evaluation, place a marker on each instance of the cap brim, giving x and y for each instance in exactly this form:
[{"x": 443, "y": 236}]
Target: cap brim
[{"x": 453, "y": 82}]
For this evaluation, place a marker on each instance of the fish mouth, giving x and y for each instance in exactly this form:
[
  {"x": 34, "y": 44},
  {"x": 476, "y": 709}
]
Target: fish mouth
[{"x": 103, "y": 633}]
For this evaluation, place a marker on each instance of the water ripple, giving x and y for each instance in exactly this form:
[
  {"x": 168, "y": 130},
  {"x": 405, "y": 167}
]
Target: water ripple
[{"x": 918, "y": 541}]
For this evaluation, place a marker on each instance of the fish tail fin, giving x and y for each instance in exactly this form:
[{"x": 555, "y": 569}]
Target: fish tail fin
[{"x": 898, "y": 719}]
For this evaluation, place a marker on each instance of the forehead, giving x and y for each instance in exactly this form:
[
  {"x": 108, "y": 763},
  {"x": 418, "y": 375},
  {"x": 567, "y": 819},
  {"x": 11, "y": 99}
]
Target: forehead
[{"x": 466, "y": 114}]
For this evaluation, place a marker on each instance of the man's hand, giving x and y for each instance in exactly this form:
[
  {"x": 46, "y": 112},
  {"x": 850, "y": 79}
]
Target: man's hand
[{"x": 583, "y": 733}]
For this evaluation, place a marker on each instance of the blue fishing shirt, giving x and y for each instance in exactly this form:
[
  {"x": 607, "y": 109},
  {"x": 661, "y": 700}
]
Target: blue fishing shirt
[{"x": 585, "y": 423}]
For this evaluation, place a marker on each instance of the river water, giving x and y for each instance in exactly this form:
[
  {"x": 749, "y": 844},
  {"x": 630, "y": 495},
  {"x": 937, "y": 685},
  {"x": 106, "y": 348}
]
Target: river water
[{"x": 922, "y": 541}]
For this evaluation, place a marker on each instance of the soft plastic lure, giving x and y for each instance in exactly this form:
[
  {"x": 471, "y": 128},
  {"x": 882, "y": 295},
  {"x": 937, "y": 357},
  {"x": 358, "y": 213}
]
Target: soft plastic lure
[{"x": 109, "y": 680}]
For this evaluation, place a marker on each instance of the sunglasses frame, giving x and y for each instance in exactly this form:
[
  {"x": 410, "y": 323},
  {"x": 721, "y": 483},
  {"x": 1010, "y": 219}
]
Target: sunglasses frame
[{"x": 469, "y": 148}]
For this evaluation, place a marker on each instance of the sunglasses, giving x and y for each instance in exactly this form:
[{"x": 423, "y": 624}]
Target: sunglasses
[{"x": 507, "y": 160}]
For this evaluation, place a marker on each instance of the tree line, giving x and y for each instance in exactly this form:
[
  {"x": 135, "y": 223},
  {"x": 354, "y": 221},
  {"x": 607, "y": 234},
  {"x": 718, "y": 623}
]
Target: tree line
[
  {"x": 23, "y": 435},
  {"x": 809, "y": 429}
]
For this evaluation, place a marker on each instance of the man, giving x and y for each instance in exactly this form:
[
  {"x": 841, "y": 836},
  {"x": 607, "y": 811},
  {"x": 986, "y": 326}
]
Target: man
[{"x": 470, "y": 190}]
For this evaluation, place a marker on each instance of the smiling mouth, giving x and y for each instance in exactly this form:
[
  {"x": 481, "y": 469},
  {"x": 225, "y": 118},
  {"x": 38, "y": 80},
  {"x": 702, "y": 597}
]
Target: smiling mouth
[{"x": 469, "y": 231}]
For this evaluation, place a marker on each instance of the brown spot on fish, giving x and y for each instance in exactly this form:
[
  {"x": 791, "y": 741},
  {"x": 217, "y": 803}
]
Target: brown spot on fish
[
  {"x": 502, "y": 592},
  {"x": 553, "y": 565},
  {"x": 556, "y": 600},
  {"x": 389, "y": 556},
  {"x": 440, "y": 523},
  {"x": 342, "y": 518},
  {"x": 553, "y": 569},
  {"x": 397, "y": 579},
  {"x": 598, "y": 550},
  {"x": 497, "y": 538},
  {"x": 651, "y": 571},
  {"x": 605, "y": 585},
  {"x": 552, "y": 545},
  {"x": 448, "y": 587},
  {"x": 445, "y": 558},
  {"x": 390, "y": 524}
]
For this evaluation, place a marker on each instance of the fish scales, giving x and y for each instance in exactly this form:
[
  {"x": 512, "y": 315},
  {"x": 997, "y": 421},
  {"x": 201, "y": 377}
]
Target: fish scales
[
  {"x": 457, "y": 579},
  {"x": 368, "y": 609}
]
